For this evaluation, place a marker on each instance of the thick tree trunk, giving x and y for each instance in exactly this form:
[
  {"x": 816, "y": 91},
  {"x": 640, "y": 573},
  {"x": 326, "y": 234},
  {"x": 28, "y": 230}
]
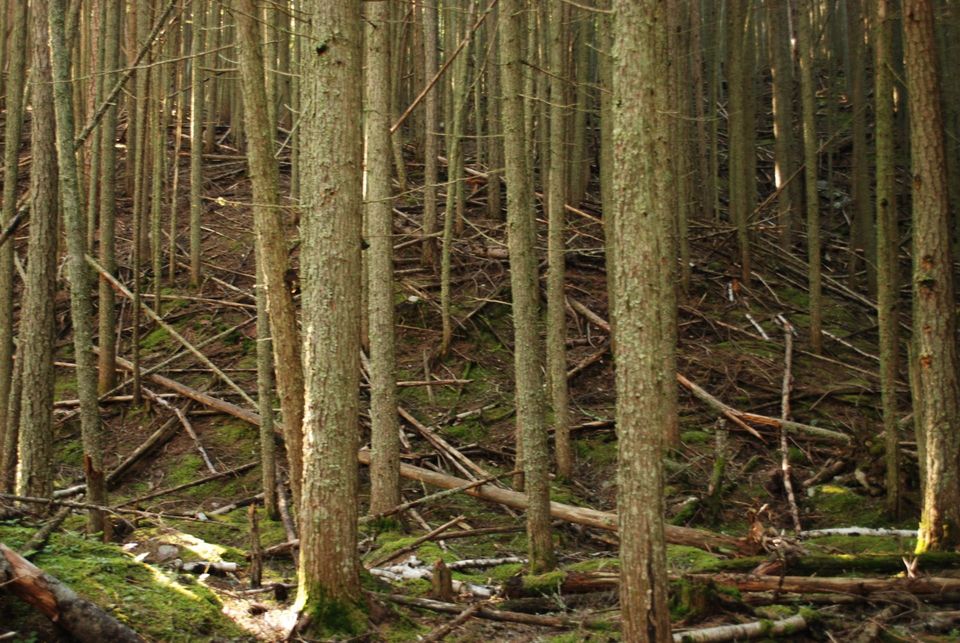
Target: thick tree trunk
[
  {"x": 330, "y": 273},
  {"x": 933, "y": 304},
  {"x": 640, "y": 232}
]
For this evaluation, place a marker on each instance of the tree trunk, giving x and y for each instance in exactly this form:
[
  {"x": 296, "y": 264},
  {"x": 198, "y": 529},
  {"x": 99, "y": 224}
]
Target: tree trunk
[
  {"x": 738, "y": 77},
  {"x": 429, "y": 257},
  {"x": 331, "y": 222},
  {"x": 640, "y": 234},
  {"x": 808, "y": 94},
  {"x": 888, "y": 239},
  {"x": 524, "y": 283},
  {"x": 13, "y": 131},
  {"x": 384, "y": 430},
  {"x": 271, "y": 243},
  {"x": 196, "y": 141},
  {"x": 933, "y": 303},
  {"x": 107, "y": 358},
  {"x": 781, "y": 71},
  {"x": 81, "y": 306},
  {"x": 35, "y": 472}
]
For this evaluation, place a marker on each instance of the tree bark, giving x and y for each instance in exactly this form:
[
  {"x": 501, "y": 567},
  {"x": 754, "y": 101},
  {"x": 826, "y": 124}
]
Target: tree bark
[
  {"x": 385, "y": 430},
  {"x": 35, "y": 472},
  {"x": 934, "y": 322},
  {"x": 330, "y": 273},
  {"x": 271, "y": 242},
  {"x": 640, "y": 232},
  {"x": 524, "y": 282}
]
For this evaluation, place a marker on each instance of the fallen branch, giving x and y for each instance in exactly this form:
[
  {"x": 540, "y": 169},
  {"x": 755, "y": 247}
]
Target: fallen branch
[
  {"x": 416, "y": 543},
  {"x": 187, "y": 485},
  {"x": 579, "y": 515},
  {"x": 754, "y": 630},
  {"x": 487, "y": 613},
  {"x": 80, "y": 618},
  {"x": 740, "y": 418},
  {"x": 441, "y": 632}
]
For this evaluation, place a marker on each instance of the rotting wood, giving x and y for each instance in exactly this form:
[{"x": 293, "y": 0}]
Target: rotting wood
[
  {"x": 83, "y": 620},
  {"x": 578, "y": 515}
]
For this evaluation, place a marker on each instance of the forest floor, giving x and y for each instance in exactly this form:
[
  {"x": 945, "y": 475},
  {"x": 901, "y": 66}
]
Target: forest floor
[{"x": 731, "y": 344}]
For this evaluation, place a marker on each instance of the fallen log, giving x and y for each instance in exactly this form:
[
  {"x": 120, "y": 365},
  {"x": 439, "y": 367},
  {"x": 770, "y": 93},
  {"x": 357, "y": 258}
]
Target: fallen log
[
  {"x": 858, "y": 586},
  {"x": 827, "y": 565},
  {"x": 80, "y": 618},
  {"x": 742, "y": 631},
  {"x": 578, "y": 515}
]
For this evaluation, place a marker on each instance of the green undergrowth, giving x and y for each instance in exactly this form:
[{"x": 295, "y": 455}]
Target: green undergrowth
[
  {"x": 153, "y": 601},
  {"x": 831, "y": 504}
]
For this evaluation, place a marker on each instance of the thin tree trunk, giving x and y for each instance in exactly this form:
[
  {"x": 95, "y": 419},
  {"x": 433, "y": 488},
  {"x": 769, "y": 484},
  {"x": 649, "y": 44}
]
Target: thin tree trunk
[
  {"x": 81, "y": 306},
  {"x": 107, "y": 357},
  {"x": 35, "y": 471},
  {"x": 13, "y": 131},
  {"x": 524, "y": 280},
  {"x": 888, "y": 238},
  {"x": 808, "y": 94},
  {"x": 781, "y": 71},
  {"x": 271, "y": 242},
  {"x": 196, "y": 142},
  {"x": 384, "y": 426},
  {"x": 556, "y": 215},
  {"x": 430, "y": 136}
]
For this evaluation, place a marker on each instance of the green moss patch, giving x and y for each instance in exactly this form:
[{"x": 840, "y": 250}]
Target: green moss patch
[{"x": 150, "y": 600}]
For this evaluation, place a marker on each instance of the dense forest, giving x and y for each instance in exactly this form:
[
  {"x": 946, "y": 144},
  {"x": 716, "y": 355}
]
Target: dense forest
[{"x": 479, "y": 320}]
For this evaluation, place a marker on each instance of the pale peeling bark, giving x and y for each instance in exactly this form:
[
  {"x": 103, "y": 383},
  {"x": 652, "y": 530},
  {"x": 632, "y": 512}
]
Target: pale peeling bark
[
  {"x": 330, "y": 273},
  {"x": 35, "y": 471},
  {"x": 384, "y": 431},
  {"x": 524, "y": 286},
  {"x": 933, "y": 317},
  {"x": 639, "y": 232}
]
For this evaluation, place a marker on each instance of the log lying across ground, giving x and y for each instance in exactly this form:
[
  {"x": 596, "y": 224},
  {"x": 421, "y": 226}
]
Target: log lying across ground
[
  {"x": 579, "y": 515},
  {"x": 857, "y": 586},
  {"x": 80, "y": 618}
]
